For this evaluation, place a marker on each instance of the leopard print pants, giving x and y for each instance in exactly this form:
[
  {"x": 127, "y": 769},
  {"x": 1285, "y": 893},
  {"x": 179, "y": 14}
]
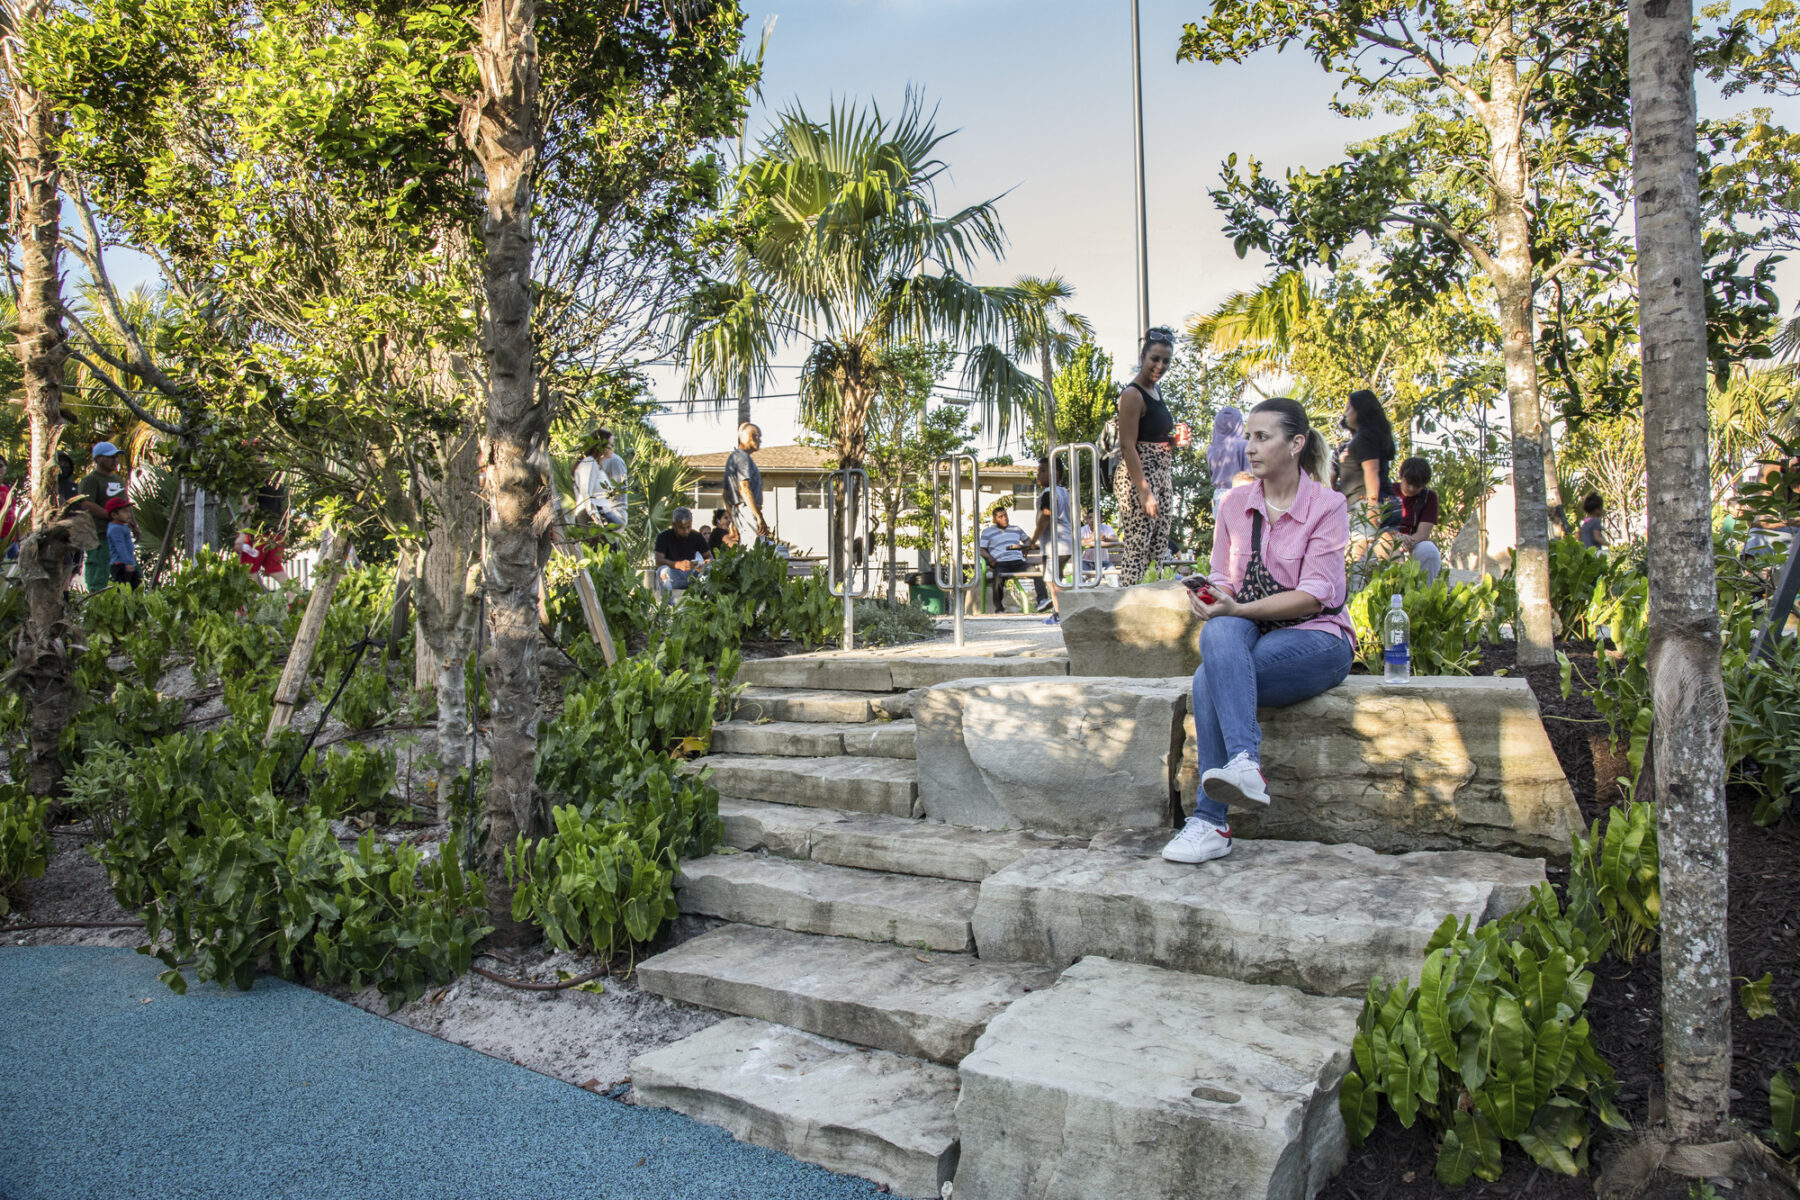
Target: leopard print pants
[{"x": 1146, "y": 540}]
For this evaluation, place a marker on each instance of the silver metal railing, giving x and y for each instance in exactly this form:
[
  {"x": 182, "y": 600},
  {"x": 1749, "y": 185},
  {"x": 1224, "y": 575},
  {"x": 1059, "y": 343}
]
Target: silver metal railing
[
  {"x": 846, "y": 495},
  {"x": 950, "y": 550},
  {"x": 1080, "y": 576}
]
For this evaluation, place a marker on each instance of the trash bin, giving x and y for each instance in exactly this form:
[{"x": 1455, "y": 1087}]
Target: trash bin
[{"x": 924, "y": 593}]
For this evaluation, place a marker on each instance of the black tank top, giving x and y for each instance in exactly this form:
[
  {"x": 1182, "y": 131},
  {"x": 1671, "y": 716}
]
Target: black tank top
[{"x": 1158, "y": 423}]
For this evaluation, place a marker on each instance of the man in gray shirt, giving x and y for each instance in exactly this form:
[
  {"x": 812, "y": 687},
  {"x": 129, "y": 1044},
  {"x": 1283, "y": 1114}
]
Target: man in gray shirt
[{"x": 743, "y": 487}]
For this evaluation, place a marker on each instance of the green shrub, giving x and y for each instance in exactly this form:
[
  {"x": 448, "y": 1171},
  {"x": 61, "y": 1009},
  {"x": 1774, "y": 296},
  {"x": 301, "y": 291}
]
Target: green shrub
[
  {"x": 879, "y": 623},
  {"x": 96, "y": 786},
  {"x": 133, "y": 716},
  {"x": 1490, "y": 1046},
  {"x": 356, "y": 778},
  {"x": 627, "y": 811},
  {"x": 237, "y": 878},
  {"x": 596, "y": 885},
  {"x": 1447, "y": 619},
  {"x": 365, "y": 700},
  {"x": 1615, "y": 879},
  {"x": 24, "y": 839}
]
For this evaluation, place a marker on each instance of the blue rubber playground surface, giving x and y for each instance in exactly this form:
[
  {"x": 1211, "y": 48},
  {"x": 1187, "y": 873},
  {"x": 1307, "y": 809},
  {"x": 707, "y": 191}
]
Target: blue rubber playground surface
[{"x": 113, "y": 1087}]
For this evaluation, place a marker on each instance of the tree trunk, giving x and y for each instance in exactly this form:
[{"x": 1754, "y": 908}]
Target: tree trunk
[
  {"x": 1050, "y": 435},
  {"x": 448, "y": 600},
  {"x": 500, "y": 125},
  {"x": 1687, "y": 690},
  {"x": 43, "y": 669},
  {"x": 743, "y": 410},
  {"x": 1514, "y": 284}
]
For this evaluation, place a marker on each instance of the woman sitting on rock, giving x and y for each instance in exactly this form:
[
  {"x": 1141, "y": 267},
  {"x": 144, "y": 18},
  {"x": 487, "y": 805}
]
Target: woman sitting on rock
[{"x": 1275, "y": 629}]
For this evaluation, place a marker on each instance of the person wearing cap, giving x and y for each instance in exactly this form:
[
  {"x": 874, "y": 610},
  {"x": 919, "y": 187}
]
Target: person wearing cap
[
  {"x": 124, "y": 568},
  {"x": 99, "y": 485}
]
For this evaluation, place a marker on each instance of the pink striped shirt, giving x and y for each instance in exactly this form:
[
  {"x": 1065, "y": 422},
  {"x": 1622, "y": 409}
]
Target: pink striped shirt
[{"x": 1303, "y": 548}]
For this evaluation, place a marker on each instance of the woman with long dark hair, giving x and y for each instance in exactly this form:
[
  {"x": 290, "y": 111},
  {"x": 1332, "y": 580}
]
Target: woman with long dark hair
[
  {"x": 1364, "y": 466},
  {"x": 1145, "y": 489},
  {"x": 1275, "y": 631}
]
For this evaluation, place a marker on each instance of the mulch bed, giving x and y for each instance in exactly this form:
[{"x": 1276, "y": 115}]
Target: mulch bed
[{"x": 1625, "y": 1006}]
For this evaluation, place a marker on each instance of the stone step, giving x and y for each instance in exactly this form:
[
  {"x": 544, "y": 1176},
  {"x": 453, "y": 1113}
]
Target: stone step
[
  {"x": 819, "y": 705},
  {"x": 1324, "y": 919},
  {"x": 1127, "y": 1080},
  {"x": 868, "y": 993},
  {"x": 864, "y": 1112},
  {"x": 810, "y": 897},
  {"x": 877, "y": 843},
  {"x": 1512, "y": 878},
  {"x": 865, "y": 785},
  {"x": 871, "y": 739},
  {"x": 889, "y": 673}
]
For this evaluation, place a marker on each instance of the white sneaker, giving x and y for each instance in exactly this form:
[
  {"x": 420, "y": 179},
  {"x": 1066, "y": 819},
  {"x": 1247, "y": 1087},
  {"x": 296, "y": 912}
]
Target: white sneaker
[
  {"x": 1238, "y": 783},
  {"x": 1198, "y": 841}
]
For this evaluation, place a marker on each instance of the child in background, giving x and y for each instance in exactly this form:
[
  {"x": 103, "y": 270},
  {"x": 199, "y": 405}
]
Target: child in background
[
  {"x": 1419, "y": 516},
  {"x": 119, "y": 542},
  {"x": 1593, "y": 522}
]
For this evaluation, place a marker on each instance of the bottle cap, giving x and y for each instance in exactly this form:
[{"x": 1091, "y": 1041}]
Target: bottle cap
[{"x": 1394, "y": 602}]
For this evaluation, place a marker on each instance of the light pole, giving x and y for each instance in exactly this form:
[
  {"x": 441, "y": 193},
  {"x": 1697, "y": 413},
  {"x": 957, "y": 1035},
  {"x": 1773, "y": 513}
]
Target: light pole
[{"x": 1143, "y": 230}]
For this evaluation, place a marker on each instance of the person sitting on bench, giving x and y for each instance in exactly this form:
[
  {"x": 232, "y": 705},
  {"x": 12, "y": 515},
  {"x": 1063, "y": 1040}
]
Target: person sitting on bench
[
  {"x": 1275, "y": 631},
  {"x": 680, "y": 553},
  {"x": 1001, "y": 550}
]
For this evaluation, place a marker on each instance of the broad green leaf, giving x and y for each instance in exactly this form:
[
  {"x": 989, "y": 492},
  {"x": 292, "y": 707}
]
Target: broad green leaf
[
  {"x": 1360, "y": 1105},
  {"x": 1758, "y": 996},
  {"x": 1434, "y": 1007}
]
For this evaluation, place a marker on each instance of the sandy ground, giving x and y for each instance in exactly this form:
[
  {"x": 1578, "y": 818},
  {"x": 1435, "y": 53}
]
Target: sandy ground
[{"x": 586, "y": 1038}]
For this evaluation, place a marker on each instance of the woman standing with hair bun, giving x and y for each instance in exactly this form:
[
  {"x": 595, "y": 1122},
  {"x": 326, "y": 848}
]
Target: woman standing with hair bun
[
  {"x": 1145, "y": 489},
  {"x": 1275, "y": 631}
]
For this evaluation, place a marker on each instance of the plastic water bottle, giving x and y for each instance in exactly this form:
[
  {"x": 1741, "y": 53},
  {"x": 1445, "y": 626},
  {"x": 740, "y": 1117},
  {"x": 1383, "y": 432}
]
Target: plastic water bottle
[{"x": 1396, "y": 642}]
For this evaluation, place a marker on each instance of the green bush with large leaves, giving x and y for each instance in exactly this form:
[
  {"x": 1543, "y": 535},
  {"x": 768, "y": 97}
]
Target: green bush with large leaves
[
  {"x": 1762, "y": 732},
  {"x": 238, "y": 878},
  {"x": 1615, "y": 879},
  {"x": 1447, "y": 619},
  {"x": 1491, "y": 1045},
  {"x": 628, "y": 811}
]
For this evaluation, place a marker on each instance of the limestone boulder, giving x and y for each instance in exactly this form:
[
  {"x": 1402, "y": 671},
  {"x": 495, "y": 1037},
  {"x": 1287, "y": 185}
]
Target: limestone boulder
[
  {"x": 1061, "y": 755},
  {"x": 1146, "y": 631},
  {"x": 1130, "y": 1081},
  {"x": 883, "y": 1116},
  {"x": 1441, "y": 763}
]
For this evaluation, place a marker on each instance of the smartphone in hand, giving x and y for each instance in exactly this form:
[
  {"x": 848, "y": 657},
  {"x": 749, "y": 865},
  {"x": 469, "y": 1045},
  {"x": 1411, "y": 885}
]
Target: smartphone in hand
[{"x": 1201, "y": 585}]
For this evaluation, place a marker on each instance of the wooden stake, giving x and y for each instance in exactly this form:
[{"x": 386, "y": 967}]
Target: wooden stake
[
  {"x": 585, "y": 590},
  {"x": 332, "y": 552}
]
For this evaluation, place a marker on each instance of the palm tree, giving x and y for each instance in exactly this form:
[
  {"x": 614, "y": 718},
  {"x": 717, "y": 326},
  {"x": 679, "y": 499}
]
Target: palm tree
[
  {"x": 1267, "y": 319},
  {"x": 842, "y": 246},
  {"x": 1052, "y": 332}
]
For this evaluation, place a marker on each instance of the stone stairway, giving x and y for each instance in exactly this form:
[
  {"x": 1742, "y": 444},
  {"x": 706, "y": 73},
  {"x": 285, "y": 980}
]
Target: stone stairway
[{"x": 1025, "y": 1013}]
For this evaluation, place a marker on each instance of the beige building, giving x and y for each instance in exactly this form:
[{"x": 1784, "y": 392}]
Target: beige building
[{"x": 794, "y": 493}]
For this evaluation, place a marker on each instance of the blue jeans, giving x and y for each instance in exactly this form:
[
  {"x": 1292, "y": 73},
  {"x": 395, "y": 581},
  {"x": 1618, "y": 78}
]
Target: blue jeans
[
  {"x": 670, "y": 578},
  {"x": 1241, "y": 669}
]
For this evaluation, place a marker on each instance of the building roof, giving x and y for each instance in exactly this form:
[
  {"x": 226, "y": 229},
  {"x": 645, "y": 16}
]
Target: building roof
[{"x": 817, "y": 460}]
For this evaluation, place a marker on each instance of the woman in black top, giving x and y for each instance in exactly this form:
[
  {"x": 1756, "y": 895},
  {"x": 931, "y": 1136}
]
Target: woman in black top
[
  {"x": 1363, "y": 465},
  {"x": 1145, "y": 489}
]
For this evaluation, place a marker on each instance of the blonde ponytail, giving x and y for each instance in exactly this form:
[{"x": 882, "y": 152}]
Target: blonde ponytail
[{"x": 1313, "y": 456}]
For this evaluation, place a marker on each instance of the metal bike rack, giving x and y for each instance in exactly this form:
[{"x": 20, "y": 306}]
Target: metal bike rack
[
  {"x": 1072, "y": 453},
  {"x": 844, "y": 491},
  {"x": 957, "y": 582}
]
